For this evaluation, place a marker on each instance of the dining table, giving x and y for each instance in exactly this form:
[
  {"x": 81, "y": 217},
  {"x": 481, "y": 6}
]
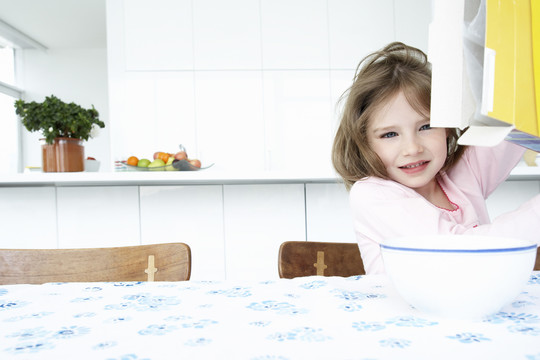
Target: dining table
[{"x": 314, "y": 317}]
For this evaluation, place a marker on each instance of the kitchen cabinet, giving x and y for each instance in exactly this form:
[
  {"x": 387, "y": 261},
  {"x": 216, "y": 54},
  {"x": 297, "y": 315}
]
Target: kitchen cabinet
[
  {"x": 328, "y": 216},
  {"x": 233, "y": 224},
  {"x": 192, "y": 214},
  {"x": 258, "y": 218},
  {"x": 28, "y": 217},
  {"x": 97, "y": 216},
  {"x": 158, "y": 35}
]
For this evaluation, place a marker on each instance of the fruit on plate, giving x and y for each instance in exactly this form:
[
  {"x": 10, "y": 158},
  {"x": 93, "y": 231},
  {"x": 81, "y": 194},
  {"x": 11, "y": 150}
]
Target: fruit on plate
[
  {"x": 169, "y": 166},
  {"x": 157, "y": 163},
  {"x": 143, "y": 163},
  {"x": 195, "y": 162},
  {"x": 133, "y": 161},
  {"x": 166, "y": 161},
  {"x": 163, "y": 156},
  {"x": 181, "y": 155}
]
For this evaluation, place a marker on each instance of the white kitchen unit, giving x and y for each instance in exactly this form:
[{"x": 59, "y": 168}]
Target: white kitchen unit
[
  {"x": 234, "y": 224},
  {"x": 192, "y": 214},
  {"x": 258, "y": 218},
  {"x": 97, "y": 216},
  {"x": 28, "y": 217}
]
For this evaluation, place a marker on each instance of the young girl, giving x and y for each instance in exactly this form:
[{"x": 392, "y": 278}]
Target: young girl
[{"x": 406, "y": 178}]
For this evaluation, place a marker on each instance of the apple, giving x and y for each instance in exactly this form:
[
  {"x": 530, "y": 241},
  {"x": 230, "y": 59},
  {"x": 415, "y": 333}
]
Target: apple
[
  {"x": 195, "y": 162},
  {"x": 157, "y": 163},
  {"x": 156, "y": 154},
  {"x": 169, "y": 166},
  {"x": 143, "y": 163},
  {"x": 181, "y": 155},
  {"x": 90, "y": 158}
]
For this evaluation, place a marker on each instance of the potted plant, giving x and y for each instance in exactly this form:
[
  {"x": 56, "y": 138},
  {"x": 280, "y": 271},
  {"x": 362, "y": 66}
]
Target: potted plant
[{"x": 64, "y": 127}]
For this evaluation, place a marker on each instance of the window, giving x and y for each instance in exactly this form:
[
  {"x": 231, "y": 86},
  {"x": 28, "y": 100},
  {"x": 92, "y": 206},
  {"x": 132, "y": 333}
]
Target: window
[{"x": 9, "y": 146}]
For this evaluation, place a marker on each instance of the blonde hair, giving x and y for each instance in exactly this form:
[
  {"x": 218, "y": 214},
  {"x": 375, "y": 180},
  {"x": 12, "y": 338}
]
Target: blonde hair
[{"x": 379, "y": 76}]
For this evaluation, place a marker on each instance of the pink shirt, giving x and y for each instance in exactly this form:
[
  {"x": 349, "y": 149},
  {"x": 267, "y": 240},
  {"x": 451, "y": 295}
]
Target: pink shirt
[{"x": 385, "y": 209}]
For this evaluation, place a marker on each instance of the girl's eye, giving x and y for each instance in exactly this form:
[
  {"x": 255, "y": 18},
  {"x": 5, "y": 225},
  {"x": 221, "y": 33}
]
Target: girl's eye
[
  {"x": 389, "y": 134},
  {"x": 425, "y": 127}
]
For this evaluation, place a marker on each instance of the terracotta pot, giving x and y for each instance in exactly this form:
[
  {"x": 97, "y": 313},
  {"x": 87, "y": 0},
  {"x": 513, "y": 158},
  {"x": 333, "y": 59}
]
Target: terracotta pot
[{"x": 64, "y": 155}]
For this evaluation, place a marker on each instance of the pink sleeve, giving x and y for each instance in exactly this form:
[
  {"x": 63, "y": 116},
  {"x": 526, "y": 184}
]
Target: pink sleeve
[
  {"x": 489, "y": 166},
  {"x": 522, "y": 223}
]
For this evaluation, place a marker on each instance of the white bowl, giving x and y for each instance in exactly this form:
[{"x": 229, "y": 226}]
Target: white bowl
[
  {"x": 91, "y": 165},
  {"x": 458, "y": 276}
]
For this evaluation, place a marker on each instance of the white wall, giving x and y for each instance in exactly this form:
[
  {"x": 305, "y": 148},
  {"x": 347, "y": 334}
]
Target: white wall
[
  {"x": 243, "y": 83},
  {"x": 73, "y": 75}
]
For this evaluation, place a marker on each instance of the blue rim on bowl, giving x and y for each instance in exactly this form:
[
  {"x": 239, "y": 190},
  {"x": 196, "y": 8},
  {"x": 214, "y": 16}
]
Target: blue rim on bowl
[{"x": 497, "y": 250}]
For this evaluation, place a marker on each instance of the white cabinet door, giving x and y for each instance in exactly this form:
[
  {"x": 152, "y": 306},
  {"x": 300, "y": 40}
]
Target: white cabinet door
[
  {"x": 298, "y": 120},
  {"x": 158, "y": 34},
  {"x": 294, "y": 34},
  {"x": 258, "y": 218},
  {"x": 357, "y": 28},
  {"x": 328, "y": 213},
  {"x": 226, "y": 34},
  {"x": 188, "y": 214},
  {"x": 98, "y": 216},
  {"x": 28, "y": 217}
]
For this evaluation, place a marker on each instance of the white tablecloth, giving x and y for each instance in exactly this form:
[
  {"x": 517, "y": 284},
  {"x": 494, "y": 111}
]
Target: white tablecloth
[{"x": 303, "y": 318}]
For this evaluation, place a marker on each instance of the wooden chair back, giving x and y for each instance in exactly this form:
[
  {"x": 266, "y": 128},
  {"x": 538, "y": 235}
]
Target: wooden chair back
[
  {"x": 159, "y": 262},
  {"x": 306, "y": 258}
]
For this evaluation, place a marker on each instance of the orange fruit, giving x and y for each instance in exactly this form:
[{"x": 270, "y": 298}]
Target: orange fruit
[
  {"x": 163, "y": 156},
  {"x": 132, "y": 160}
]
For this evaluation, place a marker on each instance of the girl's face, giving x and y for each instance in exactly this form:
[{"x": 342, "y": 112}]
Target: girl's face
[{"x": 411, "y": 151}]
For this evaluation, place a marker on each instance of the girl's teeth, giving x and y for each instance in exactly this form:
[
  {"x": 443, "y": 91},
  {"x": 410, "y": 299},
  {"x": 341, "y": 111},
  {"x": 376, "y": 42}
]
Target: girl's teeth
[{"x": 413, "y": 166}]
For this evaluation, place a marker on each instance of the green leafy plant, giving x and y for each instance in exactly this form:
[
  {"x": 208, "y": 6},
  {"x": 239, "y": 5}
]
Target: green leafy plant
[{"x": 55, "y": 118}]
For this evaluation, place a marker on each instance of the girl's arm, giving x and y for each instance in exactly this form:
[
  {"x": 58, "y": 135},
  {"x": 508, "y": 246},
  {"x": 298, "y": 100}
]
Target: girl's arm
[
  {"x": 489, "y": 166},
  {"x": 522, "y": 223}
]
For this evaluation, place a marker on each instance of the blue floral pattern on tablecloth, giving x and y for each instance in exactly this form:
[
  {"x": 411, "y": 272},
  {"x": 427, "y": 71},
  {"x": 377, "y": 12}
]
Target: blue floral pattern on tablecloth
[{"x": 358, "y": 317}]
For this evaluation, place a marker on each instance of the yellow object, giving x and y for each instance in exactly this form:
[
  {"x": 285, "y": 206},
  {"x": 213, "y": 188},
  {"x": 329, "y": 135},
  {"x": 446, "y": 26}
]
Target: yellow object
[{"x": 512, "y": 68}]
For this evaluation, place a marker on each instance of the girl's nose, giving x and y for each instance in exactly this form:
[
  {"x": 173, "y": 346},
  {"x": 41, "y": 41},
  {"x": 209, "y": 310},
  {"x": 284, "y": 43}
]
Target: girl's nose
[{"x": 412, "y": 146}]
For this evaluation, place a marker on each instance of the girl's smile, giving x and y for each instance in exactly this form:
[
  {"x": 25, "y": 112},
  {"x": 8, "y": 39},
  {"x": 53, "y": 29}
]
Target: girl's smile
[{"x": 415, "y": 167}]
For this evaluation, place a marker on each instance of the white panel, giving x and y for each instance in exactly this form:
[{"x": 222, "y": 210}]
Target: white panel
[
  {"x": 135, "y": 129},
  {"x": 230, "y": 128},
  {"x": 340, "y": 81},
  {"x": 412, "y": 22},
  {"x": 28, "y": 218},
  {"x": 188, "y": 214},
  {"x": 328, "y": 213},
  {"x": 100, "y": 216},
  {"x": 159, "y": 115},
  {"x": 258, "y": 218},
  {"x": 357, "y": 28},
  {"x": 227, "y": 34},
  {"x": 294, "y": 34},
  {"x": 174, "y": 112},
  {"x": 298, "y": 117},
  {"x": 158, "y": 34},
  {"x": 510, "y": 195}
]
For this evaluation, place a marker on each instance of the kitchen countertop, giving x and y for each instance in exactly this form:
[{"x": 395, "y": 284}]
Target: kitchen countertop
[
  {"x": 202, "y": 177},
  {"x": 123, "y": 178}
]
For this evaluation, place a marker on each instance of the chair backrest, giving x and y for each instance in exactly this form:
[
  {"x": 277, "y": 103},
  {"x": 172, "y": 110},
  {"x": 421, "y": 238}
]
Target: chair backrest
[
  {"x": 306, "y": 258},
  {"x": 159, "y": 262},
  {"x": 537, "y": 263}
]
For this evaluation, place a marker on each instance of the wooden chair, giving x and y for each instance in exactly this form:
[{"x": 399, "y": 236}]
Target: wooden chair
[
  {"x": 306, "y": 258},
  {"x": 537, "y": 263},
  {"x": 159, "y": 262}
]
